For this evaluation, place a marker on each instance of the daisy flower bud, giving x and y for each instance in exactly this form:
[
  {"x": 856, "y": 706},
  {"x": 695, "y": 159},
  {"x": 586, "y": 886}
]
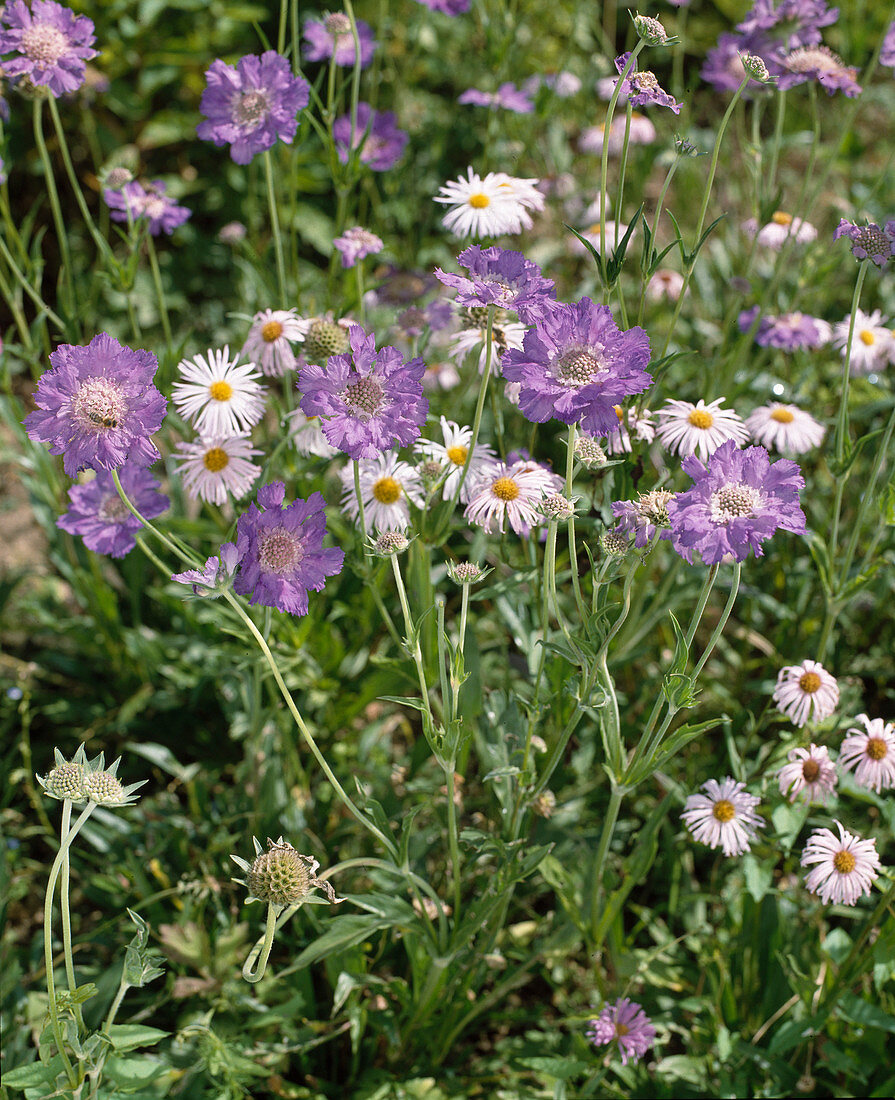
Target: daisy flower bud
[{"x": 281, "y": 875}]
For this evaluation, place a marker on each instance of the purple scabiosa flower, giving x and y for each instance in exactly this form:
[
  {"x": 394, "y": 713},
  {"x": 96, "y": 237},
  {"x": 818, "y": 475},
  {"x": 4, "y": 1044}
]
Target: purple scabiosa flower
[
  {"x": 625, "y": 1023},
  {"x": 51, "y": 44},
  {"x": 869, "y": 242},
  {"x": 368, "y": 400},
  {"x": 792, "y": 22},
  {"x": 820, "y": 64},
  {"x": 446, "y": 7},
  {"x": 786, "y": 428},
  {"x": 511, "y": 490},
  {"x": 686, "y": 429},
  {"x": 501, "y": 278},
  {"x": 642, "y": 87},
  {"x": 102, "y": 519},
  {"x": 806, "y": 692},
  {"x": 270, "y": 339},
  {"x": 846, "y": 866},
  {"x": 280, "y": 549},
  {"x": 97, "y": 406},
  {"x": 809, "y": 775},
  {"x": 563, "y": 84},
  {"x": 645, "y": 516},
  {"x": 332, "y": 37},
  {"x": 736, "y": 502},
  {"x": 252, "y": 106},
  {"x": 871, "y": 753},
  {"x": 388, "y": 487},
  {"x": 215, "y": 469},
  {"x": 217, "y": 574},
  {"x": 507, "y": 96},
  {"x": 887, "y": 53},
  {"x": 724, "y": 817},
  {"x": 789, "y": 331},
  {"x": 134, "y": 201},
  {"x": 380, "y": 141},
  {"x": 356, "y": 244},
  {"x": 576, "y": 364}
]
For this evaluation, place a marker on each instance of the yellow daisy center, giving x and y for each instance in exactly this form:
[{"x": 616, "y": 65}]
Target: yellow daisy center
[
  {"x": 594, "y": 229},
  {"x": 780, "y": 217},
  {"x": 215, "y": 459},
  {"x": 457, "y": 454},
  {"x": 271, "y": 331},
  {"x": 619, "y": 412},
  {"x": 505, "y": 489},
  {"x": 699, "y": 418},
  {"x": 723, "y": 811},
  {"x": 221, "y": 391},
  {"x": 844, "y": 862},
  {"x": 478, "y": 201},
  {"x": 809, "y": 682},
  {"x": 621, "y": 1030},
  {"x": 386, "y": 490},
  {"x": 866, "y": 337},
  {"x": 876, "y": 748},
  {"x": 782, "y": 416}
]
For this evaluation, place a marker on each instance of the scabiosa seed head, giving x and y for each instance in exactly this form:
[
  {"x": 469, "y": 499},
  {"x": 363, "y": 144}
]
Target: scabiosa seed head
[
  {"x": 390, "y": 543},
  {"x": 282, "y": 876},
  {"x": 323, "y": 339},
  {"x": 66, "y": 780},
  {"x": 557, "y": 507},
  {"x": 615, "y": 541},
  {"x": 651, "y": 30}
]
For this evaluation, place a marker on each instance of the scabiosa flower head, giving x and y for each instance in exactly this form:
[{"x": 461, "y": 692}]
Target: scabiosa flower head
[
  {"x": 380, "y": 141},
  {"x": 102, "y": 519},
  {"x": 686, "y": 429},
  {"x": 809, "y": 775},
  {"x": 390, "y": 543},
  {"x": 650, "y": 30},
  {"x": 846, "y": 866},
  {"x": 589, "y": 453},
  {"x": 332, "y": 37},
  {"x": 556, "y": 507},
  {"x": 369, "y": 400},
  {"x": 576, "y": 364},
  {"x": 452, "y": 453},
  {"x": 356, "y": 244},
  {"x": 789, "y": 331},
  {"x": 625, "y": 1023},
  {"x": 511, "y": 491},
  {"x": 507, "y": 96},
  {"x": 873, "y": 345},
  {"x": 281, "y": 876},
  {"x": 781, "y": 228},
  {"x": 252, "y": 106},
  {"x": 789, "y": 22},
  {"x": 724, "y": 68},
  {"x": 644, "y": 516},
  {"x": 217, "y": 466},
  {"x": 486, "y": 207},
  {"x": 724, "y": 817},
  {"x": 270, "y": 339},
  {"x": 756, "y": 67},
  {"x": 66, "y": 780},
  {"x": 642, "y": 132},
  {"x": 642, "y": 88},
  {"x": 102, "y": 785},
  {"x": 217, "y": 575},
  {"x": 133, "y": 201},
  {"x": 325, "y": 337},
  {"x": 735, "y": 504},
  {"x": 806, "y": 692},
  {"x": 820, "y": 64},
  {"x": 501, "y": 278},
  {"x": 50, "y": 42},
  {"x": 640, "y": 424},
  {"x": 97, "y": 406},
  {"x": 281, "y": 553},
  {"x": 466, "y": 572},
  {"x": 869, "y": 242},
  {"x": 786, "y": 428},
  {"x": 870, "y": 753},
  {"x": 388, "y": 487},
  {"x": 219, "y": 397},
  {"x": 615, "y": 542}
]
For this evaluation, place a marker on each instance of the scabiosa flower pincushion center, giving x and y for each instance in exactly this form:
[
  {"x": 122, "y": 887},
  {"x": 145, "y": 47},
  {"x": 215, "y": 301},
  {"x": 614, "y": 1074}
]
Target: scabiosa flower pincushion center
[
  {"x": 282, "y": 876},
  {"x": 44, "y": 43}
]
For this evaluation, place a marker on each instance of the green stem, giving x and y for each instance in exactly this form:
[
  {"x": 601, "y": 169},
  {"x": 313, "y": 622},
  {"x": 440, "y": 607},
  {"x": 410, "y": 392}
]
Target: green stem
[
  {"x": 65, "y": 906},
  {"x": 29, "y": 290},
  {"x": 6, "y": 291},
  {"x": 159, "y": 293},
  {"x": 256, "y": 963},
  {"x": 866, "y": 499},
  {"x": 841, "y": 436},
  {"x": 573, "y": 548},
  {"x": 275, "y": 228},
  {"x": 616, "y": 794},
  {"x": 479, "y": 406},
  {"x": 55, "y": 205},
  {"x": 413, "y": 643},
  {"x": 173, "y": 547},
  {"x": 360, "y": 508}
]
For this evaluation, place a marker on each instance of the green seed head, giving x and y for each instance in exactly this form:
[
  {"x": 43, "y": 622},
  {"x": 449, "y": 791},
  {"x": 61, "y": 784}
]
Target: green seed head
[
  {"x": 281, "y": 875},
  {"x": 325, "y": 338}
]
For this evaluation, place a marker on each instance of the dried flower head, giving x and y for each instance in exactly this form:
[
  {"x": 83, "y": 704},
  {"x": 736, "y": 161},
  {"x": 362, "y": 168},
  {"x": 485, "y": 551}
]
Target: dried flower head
[{"x": 282, "y": 876}]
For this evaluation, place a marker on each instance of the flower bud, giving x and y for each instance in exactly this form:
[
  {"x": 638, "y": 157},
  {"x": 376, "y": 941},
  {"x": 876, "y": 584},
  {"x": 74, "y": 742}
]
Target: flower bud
[
  {"x": 390, "y": 543},
  {"x": 118, "y": 177},
  {"x": 66, "y": 781},
  {"x": 557, "y": 507},
  {"x": 755, "y": 67},
  {"x": 650, "y": 30},
  {"x": 615, "y": 542},
  {"x": 589, "y": 453},
  {"x": 466, "y": 572},
  {"x": 325, "y": 338}
]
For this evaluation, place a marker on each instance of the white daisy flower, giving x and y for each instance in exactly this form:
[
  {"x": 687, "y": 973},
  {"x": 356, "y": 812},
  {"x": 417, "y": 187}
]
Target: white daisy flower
[
  {"x": 810, "y": 774},
  {"x": 219, "y": 397},
  {"x": 526, "y": 192},
  {"x": 388, "y": 487},
  {"x": 441, "y": 376},
  {"x": 787, "y": 428},
  {"x": 619, "y": 442},
  {"x": 269, "y": 343},
  {"x": 699, "y": 429},
  {"x": 215, "y": 466},
  {"x": 781, "y": 227},
  {"x": 514, "y": 492},
  {"x": 307, "y": 435},
  {"x": 724, "y": 817},
  {"x": 806, "y": 692},
  {"x": 453, "y": 453},
  {"x": 474, "y": 333},
  {"x": 846, "y": 865},
  {"x": 482, "y": 207},
  {"x": 642, "y": 132},
  {"x": 665, "y": 284},
  {"x": 873, "y": 345},
  {"x": 871, "y": 753}
]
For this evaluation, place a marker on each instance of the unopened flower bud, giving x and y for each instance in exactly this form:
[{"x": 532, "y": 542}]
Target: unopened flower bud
[
  {"x": 755, "y": 67},
  {"x": 686, "y": 148},
  {"x": 389, "y": 543},
  {"x": 118, "y": 177},
  {"x": 103, "y": 788},
  {"x": 66, "y": 781},
  {"x": 557, "y": 507},
  {"x": 232, "y": 233},
  {"x": 544, "y": 804},
  {"x": 589, "y": 452},
  {"x": 650, "y": 30},
  {"x": 337, "y": 22},
  {"x": 538, "y": 743},
  {"x": 325, "y": 338},
  {"x": 615, "y": 542},
  {"x": 465, "y": 572}
]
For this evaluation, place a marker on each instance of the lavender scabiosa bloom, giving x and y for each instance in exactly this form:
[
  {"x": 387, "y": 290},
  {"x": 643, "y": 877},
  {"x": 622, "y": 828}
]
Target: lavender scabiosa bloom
[
  {"x": 845, "y": 866},
  {"x": 723, "y": 67},
  {"x": 642, "y": 88},
  {"x": 51, "y": 44},
  {"x": 281, "y": 553},
  {"x": 102, "y": 519},
  {"x": 500, "y": 278},
  {"x": 724, "y": 817},
  {"x": 806, "y": 692},
  {"x": 217, "y": 574},
  {"x": 380, "y": 141},
  {"x": 576, "y": 365},
  {"x": 792, "y": 22},
  {"x": 446, "y": 7},
  {"x": 97, "y": 406},
  {"x": 624, "y": 1023},
  {"x": 887, "y": 53},
  {"x": 356, "y": 244},
  {"x": 871, "y": 753},
  {"x": 736, "y": 503},
  {"x": 252, "y": 106},
  {"x": 809, "y": 775},
  {"x": 368, "y": 400},
  {"x": 507, "y": 96},
  {"x": 789, "y": 331},
  {"x": 869, "y": 242},
  {"x": 820, "y": 64},
  {"x": 134, "y": 201},
  {"x": 332, "y": 37}
]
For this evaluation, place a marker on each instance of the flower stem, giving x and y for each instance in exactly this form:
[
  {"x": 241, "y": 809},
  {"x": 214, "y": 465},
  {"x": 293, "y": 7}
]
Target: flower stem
[
  {"x": 160, "y": 293},
  {"x": 173, "y": 547},
  {"x": 275, "y": 228},
  {"x": 256, "y": 963},
  {"x": 55, "y": 206},
  {"x": 480, "y": 404},
  {"x": 65, "y": 905},
  {"x": 616, "y": 794},
  {"x": 573, "y": 548}
]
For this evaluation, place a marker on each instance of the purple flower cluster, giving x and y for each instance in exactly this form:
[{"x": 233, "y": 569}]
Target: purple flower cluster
[
  {"x": 99, "y": 515},
  {"x": 98, "y": 407},
  {"x": 215, "y": 576},
  {"x": 368, "y": 400},
  {"x": 446, "y": 7},
  {"x": 280, "y": 550},
  {"x": 642, "y": 88},
  {"x": 820, "y": 64},
  {"x": 501, "y": 278},
  {"x": 576, "y": 365},
  {"x": 356, "y": 244},
  {"x": 507, "y": 96},
  {"x": 736, "y": 502},
  {"x": 252, "y": 106},
  {"x": 869, "y": 242},
  {"x": 51, "y": 44},
  {"x": 332, "y": 37},
  {"x": 380, "y": 141},
  {"x": 789, "y": 331},
  {"x": 134, "y": 201},
  {"x": 625, "y": 1023}
]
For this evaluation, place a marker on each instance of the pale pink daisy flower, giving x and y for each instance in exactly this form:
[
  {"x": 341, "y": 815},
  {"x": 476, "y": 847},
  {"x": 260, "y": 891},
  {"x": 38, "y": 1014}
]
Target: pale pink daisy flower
[
  {"x": 724, "y": 817},
  {"x": 786, "y": 428},
  {"x": 700, "y": 429},
  {"x": 511, "y": 492},
  {"x": 481, "y": 206},
  {"x": 219, "y": 397},
  {"x": 873, "y": 345},
  {"x": 781, "y": 227},
  {"x": 623, "y": 1022},
  {"x": 216, "y": 466},
  {"x": 453, "y": 453},
  {"x": 810, "y": 774},
  {"x": 619, "y": 442},
  {"x": 846, "y": 865},
  {"x": 388, "y": 486},
  {"x": 307, "y": 435},
  {"x": 270, "y": 339},
  {"x": 806, "y": 692},
  {"x": 871, "y": 753},
  {"x": 642, "y": 132},
  {"x": 665, "y": 283},
  {"x": 441, "y": 376}
]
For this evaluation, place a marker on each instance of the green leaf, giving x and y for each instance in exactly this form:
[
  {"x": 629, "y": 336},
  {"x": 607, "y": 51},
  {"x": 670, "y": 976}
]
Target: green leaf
[
  {"x": 140, "y": 964},
  {"x": 865, "y": 1013},
  {"x": 562, "y": 1068},
  {"x": 124, "y": 1037},
  {"x": 33, "y": 1076},
  {"x": 342, "y": 933},
  {"x": 130, "y": 1074},
  {"x": 614, "y": 267}
]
